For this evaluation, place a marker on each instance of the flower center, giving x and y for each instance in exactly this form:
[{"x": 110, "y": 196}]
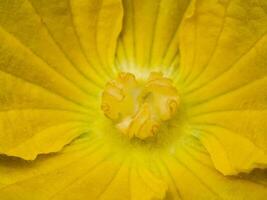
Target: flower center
[{"x": 138, "y": 108}]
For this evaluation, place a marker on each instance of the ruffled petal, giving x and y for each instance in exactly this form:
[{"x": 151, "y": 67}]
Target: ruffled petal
[
  {"x": 191, "y": 175},
  {"x": 34, "y": 99},
  {"x": 48, "y": 87},
  {"x": 232, "y": 153},
  {"x": 86, "y": 169}
]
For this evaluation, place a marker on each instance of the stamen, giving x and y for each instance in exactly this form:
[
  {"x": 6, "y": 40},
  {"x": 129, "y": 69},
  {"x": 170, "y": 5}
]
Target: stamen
[{"x": 138, "y": 109}]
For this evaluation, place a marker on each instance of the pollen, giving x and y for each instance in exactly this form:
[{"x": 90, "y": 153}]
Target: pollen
[{"x": 138, "y": 108}]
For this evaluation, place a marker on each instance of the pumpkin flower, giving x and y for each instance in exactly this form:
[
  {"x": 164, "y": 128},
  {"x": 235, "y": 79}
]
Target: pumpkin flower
[{"x": 133, "y": 99}]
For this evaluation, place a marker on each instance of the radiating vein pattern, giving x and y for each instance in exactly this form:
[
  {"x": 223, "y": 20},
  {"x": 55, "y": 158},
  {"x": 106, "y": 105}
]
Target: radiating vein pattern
[{"x": 57, "y": 62}]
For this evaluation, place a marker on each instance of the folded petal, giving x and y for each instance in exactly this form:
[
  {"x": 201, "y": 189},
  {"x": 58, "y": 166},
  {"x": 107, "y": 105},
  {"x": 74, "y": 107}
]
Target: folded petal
[
  {"x": 42, "y": 99},
  {"x": 86, "y": 169},
  {"x": 26, "y": 133},
  {"x": 34, "y": 111},
  {"x": 232, "y": 153},
  {"x": 241, "y": 110},
  {"x": 149, "y": 38},
  {"x": 190, "y": 170},
  {"x": 98, "y": 24},
  {"x": 224, "y": 70}
]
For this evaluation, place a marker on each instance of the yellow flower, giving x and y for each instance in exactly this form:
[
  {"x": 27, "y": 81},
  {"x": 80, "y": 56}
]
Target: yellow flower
[{"x": 133, "y": 99}]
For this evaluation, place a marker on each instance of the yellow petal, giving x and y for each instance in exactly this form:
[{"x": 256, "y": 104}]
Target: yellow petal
[
  {"x": 85, "y": 169},
  {"x": 146, "y": 186},
  {"x": 240, "y": 87},
  {"x": 216, "y": 37},
  {"x": 223, "y": 67},
  {"x": 47, "y": 85},
  {"x": 29, "y": 132},
  {"x": 232, "y": 153},
  {"x": 98, "y": 24},
  {"x": 50, "y": 81},
  {"x": 33, "y": 97},
  {"x": 22, "y": 21},
  {"x": 57, "y": 17},
  {"x": 192, "y": 175},
  {"x": 150, "y": 33}
]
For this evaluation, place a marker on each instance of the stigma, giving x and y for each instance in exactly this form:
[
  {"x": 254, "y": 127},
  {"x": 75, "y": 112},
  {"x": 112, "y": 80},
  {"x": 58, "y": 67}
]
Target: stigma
[{"x": 138, "y": 108}]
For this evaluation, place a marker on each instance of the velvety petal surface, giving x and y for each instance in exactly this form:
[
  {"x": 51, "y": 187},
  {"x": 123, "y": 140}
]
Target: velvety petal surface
[
  {"x": 56, "y": 56},
  {"x": 49, "y": 84},
  {"x": 88, "y": 168},
  {"x": 192, "y": 176},
  {"x": 98, "y": 24},
  {"x": 85, "y": 169},
  {"x": 223, "y": 73},
  {"x": 149, "y": 38}
]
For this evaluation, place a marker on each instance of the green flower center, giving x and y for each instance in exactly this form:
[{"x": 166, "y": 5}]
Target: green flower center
[{"x": 139, "y": 107}]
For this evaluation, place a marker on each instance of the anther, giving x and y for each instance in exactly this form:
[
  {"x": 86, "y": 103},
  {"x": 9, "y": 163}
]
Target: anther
[
  {"x": 173, "y": 106},
  {"x": 138, "y": 109}
]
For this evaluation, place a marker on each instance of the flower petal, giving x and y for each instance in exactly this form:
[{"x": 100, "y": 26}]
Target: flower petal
[
  {"x": 31, "y": 102},
  {"x": 86, "y": 169},
  {"x": 57, "y": 17},
  {"x": 42, "y": 94},
  {"x": 216, "y": 36},
  {"x": 224, "y": 70},
  {"x": 27, "y": 133},
  {"x": 192, "y": 173},
  {"x": 232, "y": 153},
  {"x": 150, "y": 33},
  {"x": 98, "y": 24},
  {"x": 20, "y": 19}
]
